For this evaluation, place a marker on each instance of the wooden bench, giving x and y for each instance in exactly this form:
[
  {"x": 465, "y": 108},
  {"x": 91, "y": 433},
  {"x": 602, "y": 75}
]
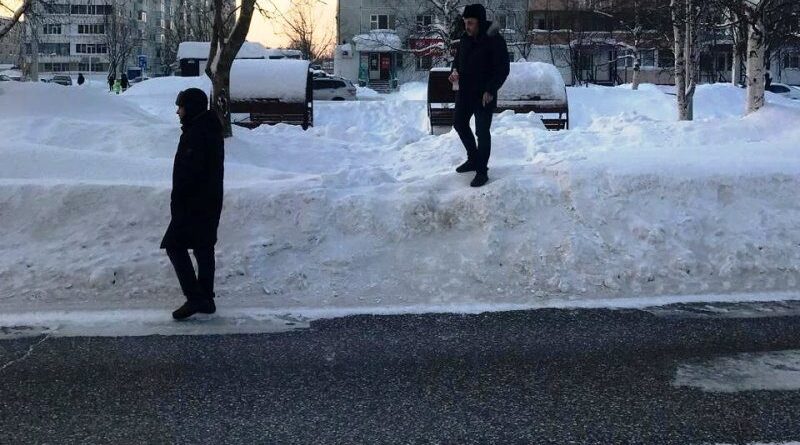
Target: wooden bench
[
  {"x": 442, "y": 98},
  {"x": 270, "y": 111}
]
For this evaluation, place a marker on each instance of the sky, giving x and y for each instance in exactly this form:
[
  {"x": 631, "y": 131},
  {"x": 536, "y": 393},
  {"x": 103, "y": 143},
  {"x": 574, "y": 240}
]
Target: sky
[{"x": 268, "y": 32}]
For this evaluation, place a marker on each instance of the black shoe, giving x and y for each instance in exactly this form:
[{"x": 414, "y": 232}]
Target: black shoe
[
  {"x": 465, "y": 167},
  {"x": 481, "y": 178},
  {"x": 193, "y": 307}
]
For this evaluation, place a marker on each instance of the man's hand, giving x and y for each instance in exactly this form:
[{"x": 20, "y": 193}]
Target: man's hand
[
  {"x": 453, "y": 77},
  {"x": 487, "y": 99}
]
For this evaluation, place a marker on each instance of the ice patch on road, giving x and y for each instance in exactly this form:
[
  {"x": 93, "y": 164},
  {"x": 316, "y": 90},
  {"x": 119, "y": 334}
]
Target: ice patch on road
[{"x": 770, "y": 371}]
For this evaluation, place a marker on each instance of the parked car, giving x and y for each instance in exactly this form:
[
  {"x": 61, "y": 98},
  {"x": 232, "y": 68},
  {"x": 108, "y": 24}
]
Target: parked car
[
  {"x": 62, "y": 79},
  {"x": 784, "y": 90},
  {"x": 333, "y": 88},
  {"x": 4, "y": 78}
]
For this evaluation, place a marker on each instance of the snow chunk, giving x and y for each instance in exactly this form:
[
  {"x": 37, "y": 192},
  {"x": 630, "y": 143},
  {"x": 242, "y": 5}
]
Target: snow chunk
[
  {"x": 529, "y": 79},
  {"x": 269, "y": 79}
]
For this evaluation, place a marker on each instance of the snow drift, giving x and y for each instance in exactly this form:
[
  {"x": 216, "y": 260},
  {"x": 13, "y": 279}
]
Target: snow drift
[{"x": 364, "y": 210}]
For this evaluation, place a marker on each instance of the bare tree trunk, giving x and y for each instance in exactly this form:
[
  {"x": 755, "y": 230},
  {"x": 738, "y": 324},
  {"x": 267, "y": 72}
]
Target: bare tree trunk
[
  {"x": 691, "y": 56},
  {"x": 12, "y": 21},
  {"x": 755, "y": 63},
  {"x": 637, "y": 63},
  {"x": 224, "y": 47},
  {"x": 678, "y": 8}
]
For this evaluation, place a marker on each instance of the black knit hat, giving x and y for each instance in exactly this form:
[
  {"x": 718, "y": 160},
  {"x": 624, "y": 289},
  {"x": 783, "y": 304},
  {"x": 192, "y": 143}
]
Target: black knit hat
[
  {"x": 475, "y": 11},
  {"x": 193, "y": 100}
]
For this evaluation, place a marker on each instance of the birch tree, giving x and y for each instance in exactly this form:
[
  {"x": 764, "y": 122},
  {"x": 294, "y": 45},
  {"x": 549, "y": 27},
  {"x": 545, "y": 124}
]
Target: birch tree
[{"x": 686, "y": 17}]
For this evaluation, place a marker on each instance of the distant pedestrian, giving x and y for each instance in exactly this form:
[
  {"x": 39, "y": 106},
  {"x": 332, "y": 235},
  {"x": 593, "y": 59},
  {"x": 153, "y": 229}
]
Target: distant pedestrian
[
  {"x": 125, "y": 84},
  {"x": 81, "y": 79},
  {"x": 196, "y": 202},
  {"x": 767, "y": 80},
  {"x": 117, "y": 86},
  {"x": 111, "y": 80}
]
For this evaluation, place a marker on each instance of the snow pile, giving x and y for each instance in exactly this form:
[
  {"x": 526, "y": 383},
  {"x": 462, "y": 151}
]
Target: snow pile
[
  {"x": 364, "y": 211},
  {"x": 533, "y": 79},
  {"x": 200, "y": 50},
  {"x": 282, "y": 79}
]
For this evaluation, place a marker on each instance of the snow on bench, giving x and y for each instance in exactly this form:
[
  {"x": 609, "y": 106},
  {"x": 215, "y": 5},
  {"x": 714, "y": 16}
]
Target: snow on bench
[
  {"x": 272, "y": 91},
  {"x": 530, "y": 87}
]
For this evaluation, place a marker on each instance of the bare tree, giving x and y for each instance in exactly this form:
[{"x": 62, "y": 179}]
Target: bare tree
[
  {"x": 686, "y": 19},
  {"x": 121, "y": 35},
  {"x": 16, "y": 14},
  {"x": 300, "y": 25},
  {"x": 229, "y": 33}
]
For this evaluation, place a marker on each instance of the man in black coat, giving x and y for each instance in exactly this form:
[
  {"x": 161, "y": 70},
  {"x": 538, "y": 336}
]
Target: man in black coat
[
  {"x": 479, "y": 69},
  {"x": 196, "y": 202}
]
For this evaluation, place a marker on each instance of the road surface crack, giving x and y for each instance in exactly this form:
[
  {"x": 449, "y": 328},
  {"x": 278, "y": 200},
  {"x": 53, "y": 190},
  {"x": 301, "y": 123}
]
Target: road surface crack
[{"x": 31, "y": 348}]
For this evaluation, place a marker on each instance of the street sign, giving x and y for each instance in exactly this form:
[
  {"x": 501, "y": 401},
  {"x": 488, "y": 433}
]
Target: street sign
[{"x": 143, "y": 62}]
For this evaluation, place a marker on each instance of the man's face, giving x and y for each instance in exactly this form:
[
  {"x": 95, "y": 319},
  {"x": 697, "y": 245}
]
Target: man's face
[
  {"x": 471, "y": 25},
  {"x": 181, "y": 112}
]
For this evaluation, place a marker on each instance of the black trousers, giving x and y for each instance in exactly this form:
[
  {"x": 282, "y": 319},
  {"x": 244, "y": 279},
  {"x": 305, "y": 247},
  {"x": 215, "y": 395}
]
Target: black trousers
[
  {"x": 478, "y": 153},
  {"x": 195, "y": 287}
]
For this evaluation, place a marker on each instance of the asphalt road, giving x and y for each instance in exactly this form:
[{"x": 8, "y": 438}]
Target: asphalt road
[{"x": 531, "y": 377}]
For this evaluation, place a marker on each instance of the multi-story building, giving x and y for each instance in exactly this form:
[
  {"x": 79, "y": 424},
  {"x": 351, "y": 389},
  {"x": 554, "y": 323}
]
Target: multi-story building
[
  {"x": 90, "y": 35},
  {"x": 10, "y": 45},
  {"x": 382, "y": 43}
]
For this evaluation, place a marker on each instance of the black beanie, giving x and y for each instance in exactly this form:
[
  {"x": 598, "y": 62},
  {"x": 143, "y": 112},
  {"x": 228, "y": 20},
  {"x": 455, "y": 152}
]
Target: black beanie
[
  {"x": 193, "y": 100},
  {"x": 475, "y": 11}
]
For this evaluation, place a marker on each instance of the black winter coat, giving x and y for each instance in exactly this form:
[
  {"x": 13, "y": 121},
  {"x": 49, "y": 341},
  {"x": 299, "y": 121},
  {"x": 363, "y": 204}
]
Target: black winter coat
[
  {"x": 197, "y": 176},
  {"x": 482, "y": 63}
]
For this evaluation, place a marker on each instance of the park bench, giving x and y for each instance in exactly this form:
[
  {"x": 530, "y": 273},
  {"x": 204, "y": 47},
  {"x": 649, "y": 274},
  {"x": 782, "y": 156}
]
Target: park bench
[{"x": 531, "y": 87}]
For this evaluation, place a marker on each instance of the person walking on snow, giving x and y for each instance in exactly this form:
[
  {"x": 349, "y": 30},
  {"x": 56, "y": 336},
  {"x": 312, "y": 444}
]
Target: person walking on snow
[
  {"x": 124, "y": 82},
  {"x": 81, "y": 79},
  {"x": 196, "y": 202},
  {"x": 480, "y": 68},
  {"x": 111, "y": 80}
]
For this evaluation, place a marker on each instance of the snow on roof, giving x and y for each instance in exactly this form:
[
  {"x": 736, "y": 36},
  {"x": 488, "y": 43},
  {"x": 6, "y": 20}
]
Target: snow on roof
[
  {"x": 442, "y": 69},
  {"x": 199, "y": 50},
  {"x": 529, "y": 79},
  {"x": 379, "y": 41},
  {"x": 283, "y": 79}
]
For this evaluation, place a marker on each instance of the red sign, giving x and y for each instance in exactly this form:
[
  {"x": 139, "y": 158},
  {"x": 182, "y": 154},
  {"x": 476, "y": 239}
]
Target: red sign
[{"x": 427, "y": 46}]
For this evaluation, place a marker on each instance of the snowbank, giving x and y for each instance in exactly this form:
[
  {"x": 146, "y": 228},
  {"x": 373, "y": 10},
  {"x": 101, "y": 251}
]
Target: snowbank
[
  {"x": 363, "y": 210},
  {"x": 529, "y": 79},
  {"x": 269, "y": 79}
]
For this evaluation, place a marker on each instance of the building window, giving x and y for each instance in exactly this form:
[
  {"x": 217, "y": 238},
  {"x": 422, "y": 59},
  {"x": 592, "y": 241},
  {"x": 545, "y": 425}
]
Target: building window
[
  {"x": 91, "y": 48},
  {"x": 506, "y": 21},
  {"x": 51, "y": 29},
  {"x": 791, "y": 61},
  {"x": 666, "y": 59},
  {"x": 424, "y": 22},
  {"x": 92, "y": 29},
  {"x": 379, "y": 21},
  {"x": 424, "y": 63},
  {"x": 142, "y": 16}
]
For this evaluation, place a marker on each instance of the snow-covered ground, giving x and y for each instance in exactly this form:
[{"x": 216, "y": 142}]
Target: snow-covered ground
[{"x": 364, "y": 210}]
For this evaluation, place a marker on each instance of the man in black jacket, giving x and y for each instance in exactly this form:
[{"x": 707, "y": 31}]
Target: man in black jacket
[
  {"x": 196, "y": 202},
  {"x": 479, "y": 69}
]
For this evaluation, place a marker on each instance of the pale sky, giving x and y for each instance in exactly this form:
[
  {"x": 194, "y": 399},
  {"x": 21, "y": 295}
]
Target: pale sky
[{"x": 269, "y": 32}]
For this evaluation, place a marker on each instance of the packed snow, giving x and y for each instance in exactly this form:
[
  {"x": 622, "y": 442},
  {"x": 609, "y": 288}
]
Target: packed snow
[
  {"x": 283, "y": 79},
  {"x": 363, "y": 211},
  {"x": 528, "y": 80}
]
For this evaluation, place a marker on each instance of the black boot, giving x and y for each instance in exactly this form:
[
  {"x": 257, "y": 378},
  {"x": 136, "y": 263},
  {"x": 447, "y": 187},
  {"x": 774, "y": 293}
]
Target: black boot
[
  {"x": 468, "y": 166},
  {"x": 192, "y": 307},
  {"x": 481, "y": 178}
]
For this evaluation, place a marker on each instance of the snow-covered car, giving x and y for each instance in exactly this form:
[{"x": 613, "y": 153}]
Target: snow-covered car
[
  {"x": 333, "y": 88},
  {"x": 62, "y": 79},
  {"x": 4, "y": 78},
  {"x": 785, "y": 90}
]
